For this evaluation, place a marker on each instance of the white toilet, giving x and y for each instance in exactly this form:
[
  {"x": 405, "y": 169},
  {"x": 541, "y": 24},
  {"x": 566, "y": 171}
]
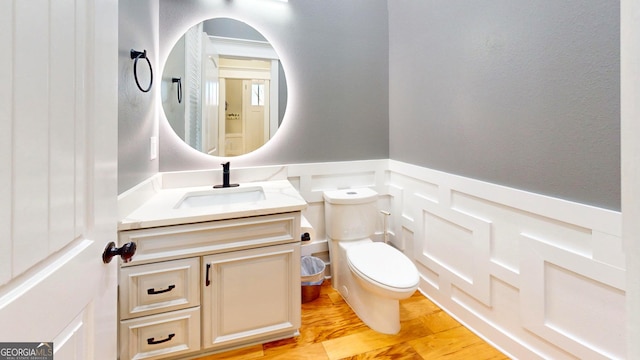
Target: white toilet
[{"x": 371, "y": 276}]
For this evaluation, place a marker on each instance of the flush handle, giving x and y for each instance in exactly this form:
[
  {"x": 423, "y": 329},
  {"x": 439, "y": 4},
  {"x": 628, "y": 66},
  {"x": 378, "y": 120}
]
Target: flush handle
[{"x": 126, "y": 252}]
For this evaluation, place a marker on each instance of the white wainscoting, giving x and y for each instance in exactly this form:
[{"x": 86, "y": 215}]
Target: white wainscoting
[{"x": 538, "y": 277}]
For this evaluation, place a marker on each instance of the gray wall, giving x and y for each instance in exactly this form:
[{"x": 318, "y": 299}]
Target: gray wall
[
  {"x": 335, "y": 56},
  {"x": 519, "y": 93},
  {"x": 524, "y": 94},
  {"x": 138, "y": 20}
]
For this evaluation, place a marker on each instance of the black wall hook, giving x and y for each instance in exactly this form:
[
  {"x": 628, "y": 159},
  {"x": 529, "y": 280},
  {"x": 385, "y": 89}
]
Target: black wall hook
[{"x": 137, "y": 55}]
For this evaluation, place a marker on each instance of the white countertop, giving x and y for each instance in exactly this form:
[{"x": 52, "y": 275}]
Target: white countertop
[{"x": 160, "y": 209}]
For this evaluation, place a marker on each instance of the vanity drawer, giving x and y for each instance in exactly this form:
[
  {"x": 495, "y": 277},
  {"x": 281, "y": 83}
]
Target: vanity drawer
[
  {"x": 159, "y": 287},
  {"x": 160, "y": 336}
]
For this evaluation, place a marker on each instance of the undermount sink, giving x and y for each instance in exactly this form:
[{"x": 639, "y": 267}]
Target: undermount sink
[{"x": 224, "y": 196}]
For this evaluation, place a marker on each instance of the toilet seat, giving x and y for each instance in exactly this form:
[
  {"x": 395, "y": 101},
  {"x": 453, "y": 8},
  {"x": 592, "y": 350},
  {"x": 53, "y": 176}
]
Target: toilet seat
[{"x": 384, "y": 265}]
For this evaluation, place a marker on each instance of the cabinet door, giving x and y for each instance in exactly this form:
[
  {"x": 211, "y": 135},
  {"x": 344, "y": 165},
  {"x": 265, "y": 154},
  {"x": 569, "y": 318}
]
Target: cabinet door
[{"x": 251, "y": 295}]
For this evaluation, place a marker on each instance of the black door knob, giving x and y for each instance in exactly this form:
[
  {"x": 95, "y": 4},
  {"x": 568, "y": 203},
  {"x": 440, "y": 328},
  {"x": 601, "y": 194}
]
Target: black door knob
[{"x": 126, "y": 252}]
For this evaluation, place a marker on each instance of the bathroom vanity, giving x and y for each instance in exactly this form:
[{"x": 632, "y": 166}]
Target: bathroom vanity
[{"x": 213, "y": 270}]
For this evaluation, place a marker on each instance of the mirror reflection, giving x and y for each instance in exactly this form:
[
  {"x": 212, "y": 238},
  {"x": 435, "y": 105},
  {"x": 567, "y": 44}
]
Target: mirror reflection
[{"x": 223, "y": 88}]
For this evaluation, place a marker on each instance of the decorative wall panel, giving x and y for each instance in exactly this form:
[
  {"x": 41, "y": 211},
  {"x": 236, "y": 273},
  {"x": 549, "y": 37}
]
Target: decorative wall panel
[
  {"x": 454, "y": 245},
  {"x": 572, "y": 300},
  {"x": 538, "y": 277}
]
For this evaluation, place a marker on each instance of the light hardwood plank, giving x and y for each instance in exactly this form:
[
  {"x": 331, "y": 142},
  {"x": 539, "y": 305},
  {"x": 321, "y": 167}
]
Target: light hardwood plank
[
  {"x": 309, "y": 352},
  {"x": 456, "y": 343},
  {"x": 440, "y": 321},
  {"x": 369, "y": 340},
  {"x": 401, "y": 351},
  {"x": 250, "y": 352}
]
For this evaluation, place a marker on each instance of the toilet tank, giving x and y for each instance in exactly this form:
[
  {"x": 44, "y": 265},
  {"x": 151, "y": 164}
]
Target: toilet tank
[{"x": 350, "y": 214}]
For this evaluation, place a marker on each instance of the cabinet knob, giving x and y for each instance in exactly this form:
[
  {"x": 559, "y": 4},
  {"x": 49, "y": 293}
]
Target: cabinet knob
[{"x": 126, "y": 252}]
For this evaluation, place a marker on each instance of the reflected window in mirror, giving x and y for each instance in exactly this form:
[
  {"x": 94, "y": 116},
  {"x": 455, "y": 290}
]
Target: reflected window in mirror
[{"x": 257, "y": 93}]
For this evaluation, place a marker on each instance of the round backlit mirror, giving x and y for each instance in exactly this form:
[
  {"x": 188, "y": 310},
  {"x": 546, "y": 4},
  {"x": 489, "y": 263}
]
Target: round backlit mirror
[{"x": 223, "y": 88}]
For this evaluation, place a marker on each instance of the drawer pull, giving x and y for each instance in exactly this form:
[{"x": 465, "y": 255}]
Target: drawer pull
[
  {"x": 154, "y": 292},
  {"x": 207, "y": 281},
  {"x": 152, "y": 341}
]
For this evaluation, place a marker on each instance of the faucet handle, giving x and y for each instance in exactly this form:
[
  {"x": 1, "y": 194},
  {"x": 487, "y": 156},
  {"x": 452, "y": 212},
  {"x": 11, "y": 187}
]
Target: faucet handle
[{"x": 225, "y": 166}]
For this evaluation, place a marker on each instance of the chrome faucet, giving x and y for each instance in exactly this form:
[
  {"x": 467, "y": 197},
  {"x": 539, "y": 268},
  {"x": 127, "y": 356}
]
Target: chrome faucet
[{"x": 226, "y": 173}]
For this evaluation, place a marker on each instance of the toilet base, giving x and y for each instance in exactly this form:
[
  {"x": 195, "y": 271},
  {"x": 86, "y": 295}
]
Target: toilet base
[
  {"x": 380, "y": 314},
  {"x": 378, "y": 308}
]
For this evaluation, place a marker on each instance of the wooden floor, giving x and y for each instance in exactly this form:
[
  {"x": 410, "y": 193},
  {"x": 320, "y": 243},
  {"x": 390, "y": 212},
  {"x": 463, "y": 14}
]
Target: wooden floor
[{"x": 330, "y": 330}]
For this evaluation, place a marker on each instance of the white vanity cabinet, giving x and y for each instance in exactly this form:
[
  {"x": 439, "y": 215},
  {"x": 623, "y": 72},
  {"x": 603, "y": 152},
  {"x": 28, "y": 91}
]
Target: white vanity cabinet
[{"x": 209, "y": 286}]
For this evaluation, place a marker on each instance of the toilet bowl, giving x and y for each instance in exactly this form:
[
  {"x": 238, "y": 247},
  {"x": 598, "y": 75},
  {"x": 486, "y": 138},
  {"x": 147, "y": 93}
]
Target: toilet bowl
[{"x": 371, "y": 276}]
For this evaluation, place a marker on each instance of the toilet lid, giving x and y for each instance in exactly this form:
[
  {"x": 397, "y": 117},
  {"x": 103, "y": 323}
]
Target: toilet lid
[{"x": 383, "y": 264}]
